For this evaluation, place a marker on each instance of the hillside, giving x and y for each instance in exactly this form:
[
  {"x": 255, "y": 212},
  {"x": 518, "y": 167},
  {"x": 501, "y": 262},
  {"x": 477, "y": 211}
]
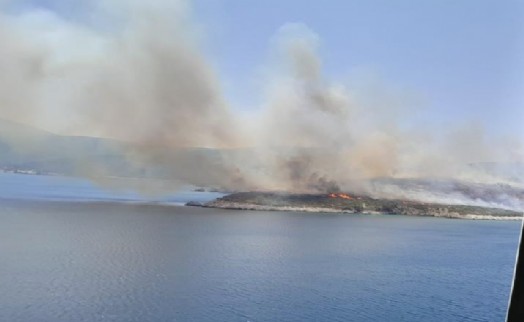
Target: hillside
[
  {"x": 26, "y": 148},
  {"x": 345, "y": 203}
]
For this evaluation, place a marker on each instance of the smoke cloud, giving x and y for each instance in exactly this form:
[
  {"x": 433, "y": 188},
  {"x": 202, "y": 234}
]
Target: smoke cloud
[{"x": 134, "y": 71}]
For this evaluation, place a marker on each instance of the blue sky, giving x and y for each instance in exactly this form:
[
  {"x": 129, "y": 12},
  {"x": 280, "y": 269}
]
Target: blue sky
[{"x": 465, "y": 58}]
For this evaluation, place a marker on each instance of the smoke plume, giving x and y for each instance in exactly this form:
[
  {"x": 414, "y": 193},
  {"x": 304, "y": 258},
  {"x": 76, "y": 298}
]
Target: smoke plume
[{"x": 135, "y": 71}]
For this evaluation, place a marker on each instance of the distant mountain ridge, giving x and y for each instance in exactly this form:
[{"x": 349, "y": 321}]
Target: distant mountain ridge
[{"x": 25, "y": 147}]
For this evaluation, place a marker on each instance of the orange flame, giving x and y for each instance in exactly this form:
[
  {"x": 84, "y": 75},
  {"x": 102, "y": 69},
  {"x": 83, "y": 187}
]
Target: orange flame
[{"x": 340, "y": 195}]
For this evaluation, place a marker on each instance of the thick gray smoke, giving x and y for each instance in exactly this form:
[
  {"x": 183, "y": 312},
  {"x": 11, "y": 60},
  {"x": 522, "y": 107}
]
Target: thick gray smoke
[
  {"x": 141, "y": 79},
  {"x": 134, "y": 71}
]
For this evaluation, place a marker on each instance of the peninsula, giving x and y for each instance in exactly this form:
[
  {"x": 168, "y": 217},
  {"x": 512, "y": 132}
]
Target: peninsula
[{"x": 351, "y": 204}]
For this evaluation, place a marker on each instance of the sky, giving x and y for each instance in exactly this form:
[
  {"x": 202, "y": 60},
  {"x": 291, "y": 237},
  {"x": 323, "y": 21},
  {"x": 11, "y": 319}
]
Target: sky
[
  {"x": 465, "y": 59},
  {"x": 460, "y": 60}
]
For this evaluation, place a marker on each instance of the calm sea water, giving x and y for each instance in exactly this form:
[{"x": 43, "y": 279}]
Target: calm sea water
[{"x": 70, "y": 252}]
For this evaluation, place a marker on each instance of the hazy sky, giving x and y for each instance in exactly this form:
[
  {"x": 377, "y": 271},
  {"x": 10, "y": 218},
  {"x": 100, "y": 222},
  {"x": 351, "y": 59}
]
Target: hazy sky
[{"x": 463, "y": 60}]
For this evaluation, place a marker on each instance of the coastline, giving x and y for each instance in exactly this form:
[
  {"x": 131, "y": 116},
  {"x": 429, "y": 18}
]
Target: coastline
[{"x": 313, "y": 203}]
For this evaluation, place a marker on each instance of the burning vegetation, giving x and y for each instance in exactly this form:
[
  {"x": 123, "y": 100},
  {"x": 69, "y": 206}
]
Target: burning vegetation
[
  {"x": 342, "y": 195},
  {"x": 345, "y": 203}
]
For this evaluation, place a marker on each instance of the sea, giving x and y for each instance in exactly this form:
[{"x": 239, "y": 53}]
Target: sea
[{"x": 71, "y": 250}]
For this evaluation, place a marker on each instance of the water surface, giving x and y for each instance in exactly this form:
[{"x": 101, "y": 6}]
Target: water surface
[{"x": 111, "y": 261}]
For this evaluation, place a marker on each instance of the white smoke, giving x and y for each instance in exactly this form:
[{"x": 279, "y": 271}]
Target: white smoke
[{"x": 134, "y": 71}]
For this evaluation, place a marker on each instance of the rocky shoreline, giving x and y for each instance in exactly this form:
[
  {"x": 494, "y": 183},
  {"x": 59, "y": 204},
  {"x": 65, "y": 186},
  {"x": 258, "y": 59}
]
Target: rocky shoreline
[{"x": 351, "y": 204}]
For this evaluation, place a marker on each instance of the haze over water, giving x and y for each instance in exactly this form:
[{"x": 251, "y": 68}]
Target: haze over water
[{"x": 120, "y": 261}]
